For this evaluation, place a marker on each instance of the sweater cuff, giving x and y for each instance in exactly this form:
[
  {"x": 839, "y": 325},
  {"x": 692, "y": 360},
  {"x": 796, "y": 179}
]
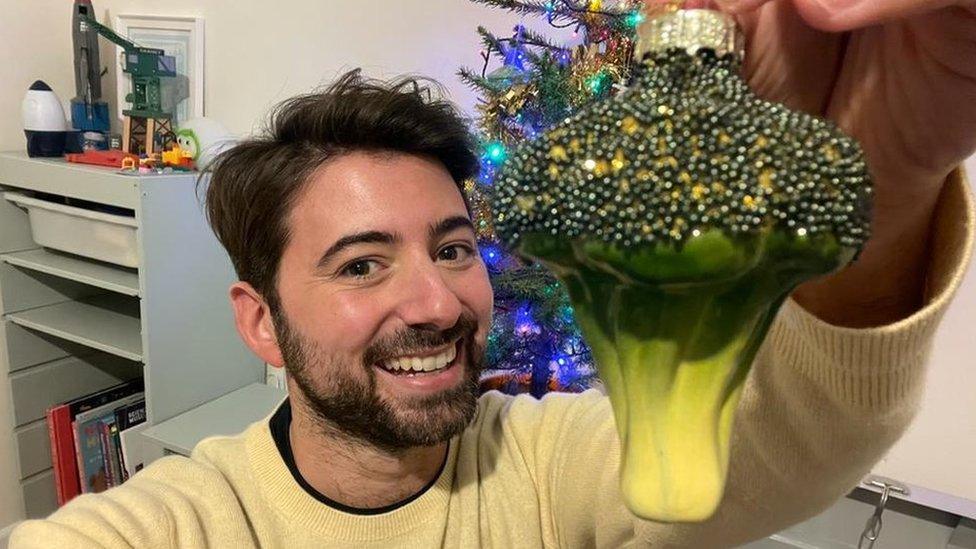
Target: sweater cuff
[{"x": 878, "y": 367}]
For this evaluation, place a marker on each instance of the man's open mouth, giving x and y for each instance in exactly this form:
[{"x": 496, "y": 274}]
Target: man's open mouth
[{"x": 421, "y": 364}]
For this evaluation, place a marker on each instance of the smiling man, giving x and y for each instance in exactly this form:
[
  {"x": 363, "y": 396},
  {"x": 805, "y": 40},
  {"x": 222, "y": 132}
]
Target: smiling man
[{"x": 359, "y": 273}]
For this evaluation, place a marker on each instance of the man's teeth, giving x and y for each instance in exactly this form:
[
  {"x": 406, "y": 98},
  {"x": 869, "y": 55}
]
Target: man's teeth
[{"x": 418, "y": 364}]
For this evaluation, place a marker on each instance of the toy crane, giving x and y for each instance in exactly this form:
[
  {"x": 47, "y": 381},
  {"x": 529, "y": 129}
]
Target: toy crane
[{"x": 145, "y": 122}]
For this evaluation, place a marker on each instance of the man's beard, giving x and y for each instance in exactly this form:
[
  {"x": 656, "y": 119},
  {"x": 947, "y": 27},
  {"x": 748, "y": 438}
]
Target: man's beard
[{"x": 342, "y": 402}]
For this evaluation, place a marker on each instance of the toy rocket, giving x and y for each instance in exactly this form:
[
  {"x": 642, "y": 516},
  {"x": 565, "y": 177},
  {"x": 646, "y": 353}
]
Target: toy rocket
[
  {"x": 88, "y": 111},
  {"x": 44, "y": 123}
]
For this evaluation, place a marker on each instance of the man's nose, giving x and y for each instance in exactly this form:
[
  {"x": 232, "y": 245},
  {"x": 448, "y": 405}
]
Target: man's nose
[{"x": 427, "y": 301}]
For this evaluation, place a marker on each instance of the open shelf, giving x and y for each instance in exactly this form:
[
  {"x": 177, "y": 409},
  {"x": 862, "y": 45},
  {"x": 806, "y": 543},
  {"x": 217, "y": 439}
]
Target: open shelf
[
  {"x": 227, "y": 415},
  {"x": 107, "y": 322},
  {"x": 87, "y": 271}
]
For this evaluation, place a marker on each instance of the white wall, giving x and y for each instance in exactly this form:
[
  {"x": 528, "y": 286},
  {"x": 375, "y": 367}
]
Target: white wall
[{"x": 257, "y": 53}]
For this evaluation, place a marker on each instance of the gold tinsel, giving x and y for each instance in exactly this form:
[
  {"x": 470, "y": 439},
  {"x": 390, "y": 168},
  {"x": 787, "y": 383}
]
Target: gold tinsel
[
  {"x": 481, "y": 210},
  {"x": 499, "y": 107}
]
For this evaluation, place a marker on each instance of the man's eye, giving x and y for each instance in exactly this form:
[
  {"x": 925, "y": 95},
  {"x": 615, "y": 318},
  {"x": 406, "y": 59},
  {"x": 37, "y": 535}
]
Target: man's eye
[
  {"x": 361, "y": 268},
  {"x": 455, "y": 252}
]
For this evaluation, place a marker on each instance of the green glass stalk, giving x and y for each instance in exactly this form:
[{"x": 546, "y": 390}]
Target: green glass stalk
[{"x": 674, "y": 347}]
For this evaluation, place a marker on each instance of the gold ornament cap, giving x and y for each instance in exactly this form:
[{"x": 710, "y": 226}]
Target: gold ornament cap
[{"x": 690, "y": 30}]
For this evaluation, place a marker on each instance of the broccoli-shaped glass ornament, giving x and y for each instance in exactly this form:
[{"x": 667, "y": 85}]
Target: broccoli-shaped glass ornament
[{"x": 680, "y": 214}]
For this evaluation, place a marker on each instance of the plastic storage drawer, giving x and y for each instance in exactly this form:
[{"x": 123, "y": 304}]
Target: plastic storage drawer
[{"x": 98, "y": 235}]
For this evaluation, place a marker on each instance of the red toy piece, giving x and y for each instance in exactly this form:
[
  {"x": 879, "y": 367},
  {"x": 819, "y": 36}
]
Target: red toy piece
[{"x": 112, "y": 158}]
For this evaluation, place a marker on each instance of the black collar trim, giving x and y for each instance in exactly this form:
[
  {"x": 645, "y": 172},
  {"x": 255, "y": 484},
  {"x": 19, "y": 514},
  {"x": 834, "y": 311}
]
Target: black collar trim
[{"x": 281, "y": 422}]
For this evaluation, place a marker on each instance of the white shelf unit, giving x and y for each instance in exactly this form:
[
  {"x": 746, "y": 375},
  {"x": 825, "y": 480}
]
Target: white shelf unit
[
  {"x": 223, "y": 416},
  {"x": 72, "y": 325}
]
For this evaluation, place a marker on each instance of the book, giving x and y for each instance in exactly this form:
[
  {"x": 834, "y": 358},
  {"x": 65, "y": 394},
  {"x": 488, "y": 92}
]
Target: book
[
  {"x": 88, "y": 452},
  {"x": 136, "y": 451},
  {"x": 94, "y": 473},
  {"x": 105, "y": 425},
  {"x": 126, "y": 417},
  {"x": 131, "y": 414},
  {"x": 59, "y": 420},
  {"x": 62, "y": 456}
]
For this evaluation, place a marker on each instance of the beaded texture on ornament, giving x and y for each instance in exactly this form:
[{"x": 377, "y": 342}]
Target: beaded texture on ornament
[{"x": 686, "y": 149}]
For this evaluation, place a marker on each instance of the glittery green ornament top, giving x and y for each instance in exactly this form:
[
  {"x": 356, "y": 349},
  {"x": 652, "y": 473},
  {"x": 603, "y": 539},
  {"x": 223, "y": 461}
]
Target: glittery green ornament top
[{"x": 688, "y": 148}]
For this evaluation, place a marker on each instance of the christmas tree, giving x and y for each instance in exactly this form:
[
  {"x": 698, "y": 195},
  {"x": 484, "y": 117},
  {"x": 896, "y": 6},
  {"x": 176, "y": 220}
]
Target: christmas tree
[{"x": 527, "y": 83}]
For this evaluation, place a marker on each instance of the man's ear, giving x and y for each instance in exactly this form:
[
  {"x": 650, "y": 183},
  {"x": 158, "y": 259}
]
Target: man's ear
[{"x": 254, "y": 323}]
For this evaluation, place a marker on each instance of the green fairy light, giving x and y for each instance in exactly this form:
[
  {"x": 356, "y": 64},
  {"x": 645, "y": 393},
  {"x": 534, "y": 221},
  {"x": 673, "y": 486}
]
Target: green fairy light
[
  {"x": 495, "y": 152},
  {"x": 598, "y": 83},
  {"x": 635, "y": 18}
]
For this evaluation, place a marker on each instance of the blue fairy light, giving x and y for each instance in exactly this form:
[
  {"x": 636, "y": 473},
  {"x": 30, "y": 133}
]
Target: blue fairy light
[
  {"x": 491, "y": 255},
  {"x": 564, "y": 57},
  {"x": 515, "y": 57},
  {"x": 487, "y": 173},
  {"x": 524, "y": 323}
]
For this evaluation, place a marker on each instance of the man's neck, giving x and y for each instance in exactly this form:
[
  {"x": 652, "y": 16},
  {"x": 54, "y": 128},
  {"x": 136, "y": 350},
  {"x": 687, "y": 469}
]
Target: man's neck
[{"x": 356, "y": 474}]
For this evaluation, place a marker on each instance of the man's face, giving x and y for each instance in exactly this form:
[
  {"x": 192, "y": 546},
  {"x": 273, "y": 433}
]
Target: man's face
[{"x": 380, "y": 278}]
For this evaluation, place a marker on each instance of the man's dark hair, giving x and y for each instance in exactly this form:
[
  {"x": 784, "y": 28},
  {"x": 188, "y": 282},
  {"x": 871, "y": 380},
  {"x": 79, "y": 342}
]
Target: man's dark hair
[{"x": 254, "y": 185}]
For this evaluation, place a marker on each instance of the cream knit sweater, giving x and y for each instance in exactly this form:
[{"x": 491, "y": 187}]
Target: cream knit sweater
[{"x": 820, "y": 407}]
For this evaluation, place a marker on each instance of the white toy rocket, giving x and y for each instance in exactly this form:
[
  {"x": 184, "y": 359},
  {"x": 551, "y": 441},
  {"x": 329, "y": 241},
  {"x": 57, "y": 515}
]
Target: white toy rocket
[{"x": 44, "y": 122}]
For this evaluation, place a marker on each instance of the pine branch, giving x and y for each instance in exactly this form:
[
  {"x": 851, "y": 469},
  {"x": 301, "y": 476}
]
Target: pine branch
[
  {"x": 476, "y": 82},
  {"x": 554, "y": 90},
  {"x": 501, "y": 46},
  {"x": 492, "y": 43},
  {"x": 532, "y": 37},
  {"x": 517, "y": 6},
  {"x": 572, "y": 6},
  {"x": 532, "y": 56},
  {"x": 550, "y": 9}
]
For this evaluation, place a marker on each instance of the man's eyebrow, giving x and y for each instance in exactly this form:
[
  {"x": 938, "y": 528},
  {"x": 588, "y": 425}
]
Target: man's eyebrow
[
  {"x": 448, "y": 224},
  {"x": 365, "y": 237}
]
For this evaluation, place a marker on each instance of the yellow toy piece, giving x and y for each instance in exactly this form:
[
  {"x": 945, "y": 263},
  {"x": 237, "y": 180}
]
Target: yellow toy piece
[{"x": 174, "y": 156}]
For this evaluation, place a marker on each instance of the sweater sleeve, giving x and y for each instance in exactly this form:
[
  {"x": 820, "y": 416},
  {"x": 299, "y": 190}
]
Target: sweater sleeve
[
  {"x": 821, "y": 406},
  {"x": 175, "y": 502}
]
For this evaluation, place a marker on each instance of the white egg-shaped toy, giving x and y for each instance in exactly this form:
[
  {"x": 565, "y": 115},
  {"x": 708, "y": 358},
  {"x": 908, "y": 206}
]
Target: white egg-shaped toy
[
  {"x": 44, "y": 121},
  {"x": 205, "y": 138}
]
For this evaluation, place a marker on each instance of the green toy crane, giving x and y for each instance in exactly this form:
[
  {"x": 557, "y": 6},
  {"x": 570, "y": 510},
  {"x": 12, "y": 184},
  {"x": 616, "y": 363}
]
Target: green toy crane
[{"x": 145, "y": 121}]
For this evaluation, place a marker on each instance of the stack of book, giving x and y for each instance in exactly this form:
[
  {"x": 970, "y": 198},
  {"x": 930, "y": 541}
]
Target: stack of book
[{"x": 90, "y": 438}]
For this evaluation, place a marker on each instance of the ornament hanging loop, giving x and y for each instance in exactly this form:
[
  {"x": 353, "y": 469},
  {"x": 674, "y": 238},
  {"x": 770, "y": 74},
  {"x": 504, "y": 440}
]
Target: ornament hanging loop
[{"x": 690, "y": 30}]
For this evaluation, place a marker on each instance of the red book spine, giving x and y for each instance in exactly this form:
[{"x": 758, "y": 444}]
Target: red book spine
[{"x": 63, "y": 453}]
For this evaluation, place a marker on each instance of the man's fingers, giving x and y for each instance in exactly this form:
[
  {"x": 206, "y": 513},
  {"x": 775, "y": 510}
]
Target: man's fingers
[
  {"x": 739, "y": 6},
  {"x": 828, "y": 15},
  {"x": 845, "y": 15}
]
